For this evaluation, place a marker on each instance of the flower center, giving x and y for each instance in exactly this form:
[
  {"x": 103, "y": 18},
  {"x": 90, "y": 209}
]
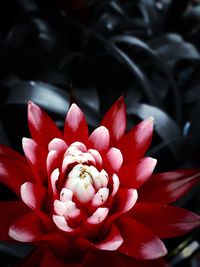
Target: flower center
[{"x": 84, "y": 181}]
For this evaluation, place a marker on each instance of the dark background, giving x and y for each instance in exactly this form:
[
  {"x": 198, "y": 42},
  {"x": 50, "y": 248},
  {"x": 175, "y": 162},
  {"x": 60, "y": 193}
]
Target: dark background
[{"x": 92, "y": 52}]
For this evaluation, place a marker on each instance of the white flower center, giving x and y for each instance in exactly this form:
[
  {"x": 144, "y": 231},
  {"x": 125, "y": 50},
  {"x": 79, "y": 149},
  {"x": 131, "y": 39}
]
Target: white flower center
[{"x": 84, "y": 181}]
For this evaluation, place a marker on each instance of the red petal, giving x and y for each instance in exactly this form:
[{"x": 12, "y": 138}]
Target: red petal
[
  {"x": 139, "y": 242},
  {"x": 115, "y": 120},
  {"x": 41, "y": 126},
  {"x": 37, "y": 159},
  {"x": 11, "y": 211},
  {"x": 99, "y": 139},
  {"x": 104, "y": 258},
  {"x": 125, "y": 200},
  {"x": 50, "y": 260},
  {"x": 112, "y": 242},
  {"x": 33, "y": 195},
  {"x": 113, "y": 160},
  {"x": 165, "y": 221},
  {"x": 135, "y": 175},
  {"x": 169, "y": 186},
  {"x": 26, "y": 229},
  {"x": 137, "y": 141},
  {"x": 75, "y": 126},
  {"x": 14, "y": 169}
]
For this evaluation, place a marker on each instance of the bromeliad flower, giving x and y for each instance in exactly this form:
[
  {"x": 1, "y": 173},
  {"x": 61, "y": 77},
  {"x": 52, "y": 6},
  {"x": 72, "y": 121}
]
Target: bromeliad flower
[{"x": 87, "y": 200}]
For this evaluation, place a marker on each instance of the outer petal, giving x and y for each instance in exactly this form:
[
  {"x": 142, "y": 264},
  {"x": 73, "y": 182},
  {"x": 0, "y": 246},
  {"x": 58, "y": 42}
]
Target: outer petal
[
  {"x": 169, "y": 186},
  {"x": 26, "y": 229},
  {"x": 137, "y": 141},
  {"x": 14, "y": 169},
  {"x": 139, "y": 242},
  {"x": 33, "y": 195},
  {"x": 75, "y": 126},
  {"x": 99, "y": 139},
  {"x": 51, "y": 260},
  {"x": 11, "y": 211},
  {"x": 113, "y": 160},
  {"x": 134, "y": 175},
  {"x": 36, "y": 157},
  {"x": 165, "y": 221},
  {"x": 100, "y": 258},
  {"x": 115, "y": 120},
  {"x": 41, "y": 126},
  {"x": 112, "y": 242}
]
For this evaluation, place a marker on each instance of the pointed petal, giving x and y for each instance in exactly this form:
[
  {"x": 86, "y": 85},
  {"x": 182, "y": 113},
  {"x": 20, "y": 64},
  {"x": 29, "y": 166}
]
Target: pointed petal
[
  {"x": 41, "y": 126},
  {"x": 11, "y": 210},
  {"x": 14, "y": 172},
  {"x": 169, "y": 186},
  {"x": 123, "y": 202},
  {"x": 165, "y": 221},
  {"x": 137, "y": 141},
  {"x": 26, "y": 229},
  {"x": 139, "y": 242},
  {"x": 33, "y": 195},
  {"x": 115, "y": 120},
  {"x": 112, "y": 242},
  {"x": 134, "y": 176},
  {"x": 99, "y": 139},
  {"x": 75, "y": 126},
  {"x": 37, "y": 159},
  {"x": 113, "y": 160}
]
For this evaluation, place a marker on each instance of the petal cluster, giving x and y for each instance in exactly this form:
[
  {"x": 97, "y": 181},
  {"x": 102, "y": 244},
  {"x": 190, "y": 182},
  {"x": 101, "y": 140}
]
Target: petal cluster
[{"x": 88, "y": 198}]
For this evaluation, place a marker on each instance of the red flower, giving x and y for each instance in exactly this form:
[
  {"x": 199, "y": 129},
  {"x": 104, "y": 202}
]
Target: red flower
[{"x": 88, "y": 200}]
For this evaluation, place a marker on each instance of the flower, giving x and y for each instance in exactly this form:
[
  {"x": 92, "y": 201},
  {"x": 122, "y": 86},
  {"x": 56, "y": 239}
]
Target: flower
[{"x": 87, "y": 200}]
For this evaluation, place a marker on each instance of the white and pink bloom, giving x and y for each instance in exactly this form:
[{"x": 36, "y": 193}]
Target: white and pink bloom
[{"x": 91, "y": 199}]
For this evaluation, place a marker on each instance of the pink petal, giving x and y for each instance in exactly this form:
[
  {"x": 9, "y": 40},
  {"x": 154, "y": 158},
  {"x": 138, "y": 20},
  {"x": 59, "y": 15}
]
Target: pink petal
[
  {"x": 165, "y": 221},
  {"x": 137, "y": 141},
  {"x": 53, "y": 179},
  {"x": 41, "y": 126},
  {"x": 98, "y": 216},
  {"x": 169, "y": 186},
  {"x": 11, "y": 210},
  {"x": 99, "y": 139},
  {"x": 124, "y": 201},
  {"x": 75, "y": 126},
  {"x": 58, "y": 144},
  {"x": 112, "y": 242},
  {"x": 139, "y": 242},
  {"x": 113, "y": 160},
  {"x": 26, "y": 229},
  {"x": 36, "y": 158},
  {"x": 53, "y": 161},
  {"x": 115, "y": 120},
  {"x": 135, "y": 175},
  {"x": 62, "y": 224},
  {"x": 33, "y": 195},
  {"x": 97, "y": 157}
]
